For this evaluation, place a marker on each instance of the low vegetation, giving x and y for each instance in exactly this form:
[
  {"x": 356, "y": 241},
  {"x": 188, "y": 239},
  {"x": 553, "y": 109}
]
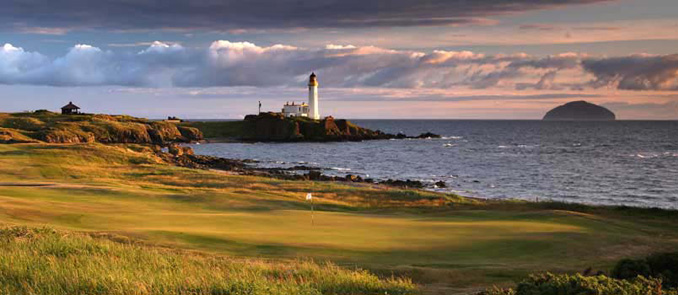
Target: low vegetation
[
  {"x": 47, "y": 261},
  {"x": 663, "y": 266},
  {"x": 577, "y": 284},
  {"x": 45, "y": 126},
  {"x": 656, "y": 274}
]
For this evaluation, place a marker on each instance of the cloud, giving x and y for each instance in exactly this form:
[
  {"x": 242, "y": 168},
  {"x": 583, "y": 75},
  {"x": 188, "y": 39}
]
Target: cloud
[
  {"x": 636, "y": 72},
  {"x": 540, "y": 27},
  {"x": 229, "y": 64},
  {"x": 229, "y": 15},
  {"x": 85, "y": 65}
]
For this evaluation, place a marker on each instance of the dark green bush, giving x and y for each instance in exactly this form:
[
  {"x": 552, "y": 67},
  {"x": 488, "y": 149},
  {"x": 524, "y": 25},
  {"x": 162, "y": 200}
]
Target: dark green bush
[
  {"x": 663, "y": 266},
  {"x": 630, "y": 268},
  {"x": 552, "y": 284}
]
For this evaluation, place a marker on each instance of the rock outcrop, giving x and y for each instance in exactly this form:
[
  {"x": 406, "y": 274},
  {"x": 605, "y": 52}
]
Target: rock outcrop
[
  {"x": 580, "y": 111},
  {"x": 276, "y": 127}
]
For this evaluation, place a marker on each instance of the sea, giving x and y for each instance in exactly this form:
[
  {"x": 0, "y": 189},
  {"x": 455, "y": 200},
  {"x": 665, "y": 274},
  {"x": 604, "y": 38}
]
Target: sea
[{"x": 633, "y": 163}]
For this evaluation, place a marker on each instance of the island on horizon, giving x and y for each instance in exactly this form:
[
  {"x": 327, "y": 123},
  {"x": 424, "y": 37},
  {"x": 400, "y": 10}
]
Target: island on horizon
[{"x": 580, "y": 111}]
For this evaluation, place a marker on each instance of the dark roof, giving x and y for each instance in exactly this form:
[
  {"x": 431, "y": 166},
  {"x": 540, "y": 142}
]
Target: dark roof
[{"x": 70, "y": 106}]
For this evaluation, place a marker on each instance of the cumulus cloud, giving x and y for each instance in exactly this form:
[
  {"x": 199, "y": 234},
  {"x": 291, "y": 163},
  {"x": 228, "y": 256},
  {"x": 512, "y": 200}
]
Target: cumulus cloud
[
  {"x": 228, "y": 15},
  {"x": 226, "y": 63}
]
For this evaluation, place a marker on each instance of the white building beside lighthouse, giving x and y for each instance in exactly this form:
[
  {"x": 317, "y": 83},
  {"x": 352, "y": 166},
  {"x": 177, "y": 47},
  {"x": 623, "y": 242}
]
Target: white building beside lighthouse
[{"x": 305, "y": 110}]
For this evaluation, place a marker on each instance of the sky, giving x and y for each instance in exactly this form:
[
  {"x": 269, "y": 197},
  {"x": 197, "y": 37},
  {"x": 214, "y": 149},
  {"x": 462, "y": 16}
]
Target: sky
[{"x": 409, "y": 59}]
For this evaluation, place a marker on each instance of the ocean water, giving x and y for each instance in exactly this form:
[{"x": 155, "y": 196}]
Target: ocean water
[{"x": 631, "y": 163}]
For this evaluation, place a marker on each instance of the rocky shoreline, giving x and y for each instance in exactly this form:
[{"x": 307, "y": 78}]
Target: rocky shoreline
[{"x": 184, "y": 156}]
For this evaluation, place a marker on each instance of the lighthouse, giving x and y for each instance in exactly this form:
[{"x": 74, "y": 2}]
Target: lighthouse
[
  {"x": 309, "y": 110},
  {"x": 313, "y": 97}
]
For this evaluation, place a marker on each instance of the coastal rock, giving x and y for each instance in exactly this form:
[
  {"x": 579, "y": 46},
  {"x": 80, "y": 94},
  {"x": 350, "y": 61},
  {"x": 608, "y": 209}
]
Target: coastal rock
[
  {"x": 353, "y": 178},
  {"x": 276, "y": 127},
  {"x": 580, "y": 111},
  {"x": 178, "y": 150},
  {"x": 404, "y": 183},
  {"x": 427, "y": 135},
  {"x": 314, "y": 175}
]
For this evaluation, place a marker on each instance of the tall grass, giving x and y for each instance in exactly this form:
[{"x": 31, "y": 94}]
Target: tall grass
[{"x": 46, "y": 261}]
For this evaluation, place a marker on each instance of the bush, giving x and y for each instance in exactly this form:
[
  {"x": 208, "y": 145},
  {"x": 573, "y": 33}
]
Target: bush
[
  {"x": 630, "y": 268},
  {"x": 551, "y": 284},
  {"x": 663, "y": 266}
]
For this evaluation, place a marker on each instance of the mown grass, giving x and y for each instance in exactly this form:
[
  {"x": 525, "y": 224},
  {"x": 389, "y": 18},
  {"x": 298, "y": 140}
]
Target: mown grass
[
  {"x": 443, "y": 242},
  {"x": 46, "y": 261}
]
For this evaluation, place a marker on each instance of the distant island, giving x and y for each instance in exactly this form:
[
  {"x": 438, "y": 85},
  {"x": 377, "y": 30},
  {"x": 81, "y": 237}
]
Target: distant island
[{"x": 579, "y": 111}]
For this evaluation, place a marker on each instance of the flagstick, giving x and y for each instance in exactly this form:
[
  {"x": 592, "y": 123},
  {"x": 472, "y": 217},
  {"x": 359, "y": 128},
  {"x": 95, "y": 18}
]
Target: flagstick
[{"x": 312, "y": 213}]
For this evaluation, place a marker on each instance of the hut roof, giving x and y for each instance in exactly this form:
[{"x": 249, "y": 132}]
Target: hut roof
[{"x": 70, "y": 106}]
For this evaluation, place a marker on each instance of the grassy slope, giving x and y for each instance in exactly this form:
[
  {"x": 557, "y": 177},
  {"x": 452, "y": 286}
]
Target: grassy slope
[
  {"x": 45, "y": 261},
  {"x": 52, "y": 127},
  {"x": 443, "y": 242}
]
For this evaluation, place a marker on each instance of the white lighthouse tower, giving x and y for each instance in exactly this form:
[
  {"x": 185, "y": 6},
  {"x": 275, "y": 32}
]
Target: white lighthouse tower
[{"x": 313, "y": 97}]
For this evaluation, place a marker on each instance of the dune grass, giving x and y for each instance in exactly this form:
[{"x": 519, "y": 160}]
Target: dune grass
[
  {"x": 445, "y": 243},
  {"x": 46, "y": 261}
]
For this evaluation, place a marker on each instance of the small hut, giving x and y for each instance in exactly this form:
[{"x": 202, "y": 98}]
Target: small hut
[{"x": 70, "y": 109}]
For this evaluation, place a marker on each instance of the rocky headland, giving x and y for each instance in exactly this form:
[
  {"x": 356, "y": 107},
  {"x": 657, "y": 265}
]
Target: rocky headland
[
  {"x": 274, "y": 127},
  {"x": 49, "y": 127}
]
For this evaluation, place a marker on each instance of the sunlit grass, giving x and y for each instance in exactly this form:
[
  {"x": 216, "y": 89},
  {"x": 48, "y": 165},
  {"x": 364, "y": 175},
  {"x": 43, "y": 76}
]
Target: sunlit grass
[
  {"x": 436, "y": 239},
  {"x": 46, "y": 261}
]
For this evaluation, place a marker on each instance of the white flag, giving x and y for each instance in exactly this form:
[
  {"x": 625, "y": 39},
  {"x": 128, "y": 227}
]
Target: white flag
[{"x": 309, "y": 196}]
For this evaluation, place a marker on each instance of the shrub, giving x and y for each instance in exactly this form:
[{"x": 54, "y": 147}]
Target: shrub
[
  {"x": 663, "y": 266},
  {"x": 630, "y": 268},
  {"x": 551, "y": 284}
]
